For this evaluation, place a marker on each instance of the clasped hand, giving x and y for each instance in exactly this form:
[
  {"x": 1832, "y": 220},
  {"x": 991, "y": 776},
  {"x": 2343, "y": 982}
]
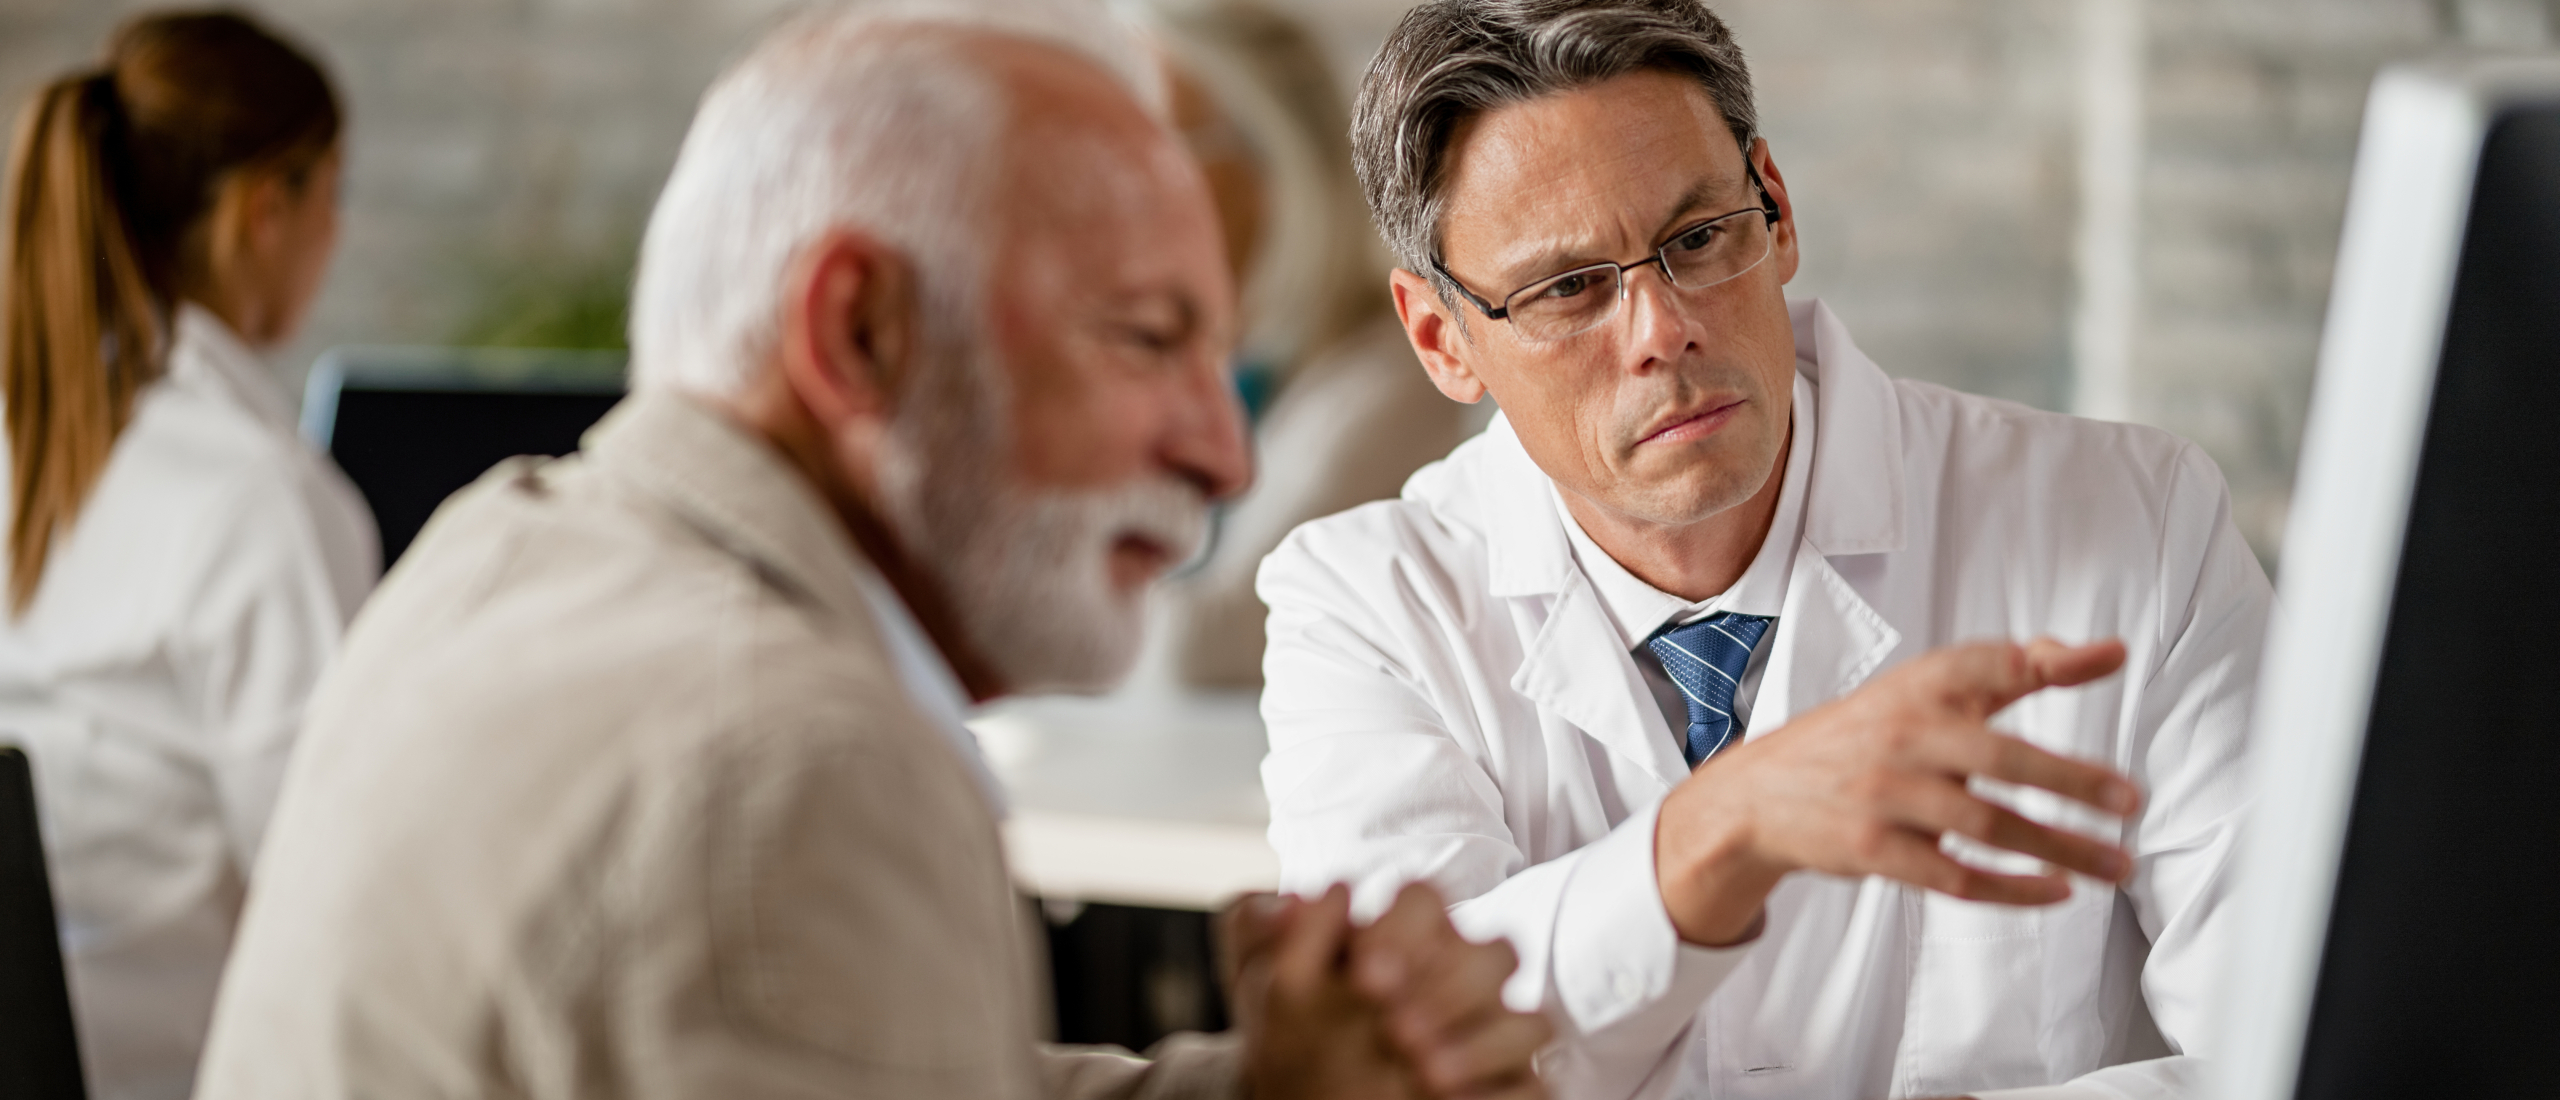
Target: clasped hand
[
  {"x": 1402, "y": 1008},
  {"x": 1868, "y": 784}
]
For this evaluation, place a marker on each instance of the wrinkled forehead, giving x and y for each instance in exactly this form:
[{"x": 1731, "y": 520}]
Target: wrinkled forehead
[
  {"x": 1088, "y": 175},
  {"x": 1598, "y": 171}
]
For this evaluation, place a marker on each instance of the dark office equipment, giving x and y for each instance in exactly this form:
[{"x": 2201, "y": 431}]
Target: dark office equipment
[
  {"x": 39, "y": 1048},
  {"x": 411, "y": 425},
  {"x": 1132, "y": 975},
  {"x": 2410, "y": 721}
]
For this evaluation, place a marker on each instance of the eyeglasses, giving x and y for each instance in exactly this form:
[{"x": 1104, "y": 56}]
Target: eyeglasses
[{"x": 1696, "y": 257}]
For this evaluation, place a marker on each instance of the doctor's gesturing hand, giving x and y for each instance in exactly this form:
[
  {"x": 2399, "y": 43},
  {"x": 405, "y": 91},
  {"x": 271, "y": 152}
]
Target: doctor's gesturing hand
[{"x": 1867, "y": 785}]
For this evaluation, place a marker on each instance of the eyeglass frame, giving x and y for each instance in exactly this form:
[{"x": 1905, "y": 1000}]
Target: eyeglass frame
[{"x": 1769, "y": 213}]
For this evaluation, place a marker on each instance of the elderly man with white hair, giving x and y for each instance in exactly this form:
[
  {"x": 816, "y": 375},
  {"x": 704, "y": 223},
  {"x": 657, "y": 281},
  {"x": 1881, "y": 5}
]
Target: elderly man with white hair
[{"x": 644, "y": 774}]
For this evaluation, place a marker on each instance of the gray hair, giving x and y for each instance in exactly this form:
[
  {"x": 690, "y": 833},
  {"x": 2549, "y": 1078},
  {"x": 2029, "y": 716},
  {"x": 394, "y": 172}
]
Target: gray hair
[
  {"x": 1450, "y": 60},
  {"x": 853, "y": 115}
]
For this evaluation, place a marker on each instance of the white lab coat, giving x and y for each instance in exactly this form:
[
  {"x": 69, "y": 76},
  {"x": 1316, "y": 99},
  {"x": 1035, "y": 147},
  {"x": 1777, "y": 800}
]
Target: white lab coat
[
  {"x": 157, "y": 682},
  {"x": 1447, "y": 699}
]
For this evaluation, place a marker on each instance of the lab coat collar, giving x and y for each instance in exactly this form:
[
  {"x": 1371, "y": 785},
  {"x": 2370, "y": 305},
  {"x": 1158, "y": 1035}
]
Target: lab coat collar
[
  {"x": 1853, "y": 504},
  {"x": 1829, "y": 639},
  {"x": 205, "y": 350}
]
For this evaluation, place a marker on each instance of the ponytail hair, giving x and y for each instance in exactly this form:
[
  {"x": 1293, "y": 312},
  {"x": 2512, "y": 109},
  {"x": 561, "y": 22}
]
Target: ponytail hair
[{"x": 111, "y": 178}]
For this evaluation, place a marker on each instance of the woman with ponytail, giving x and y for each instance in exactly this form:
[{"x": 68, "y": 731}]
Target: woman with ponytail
[{"x": 180, "y": 565}]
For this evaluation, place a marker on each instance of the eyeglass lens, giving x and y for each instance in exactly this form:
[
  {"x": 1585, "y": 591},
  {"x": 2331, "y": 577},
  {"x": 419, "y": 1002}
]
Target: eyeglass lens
[{"x": 1700, "y": 256}]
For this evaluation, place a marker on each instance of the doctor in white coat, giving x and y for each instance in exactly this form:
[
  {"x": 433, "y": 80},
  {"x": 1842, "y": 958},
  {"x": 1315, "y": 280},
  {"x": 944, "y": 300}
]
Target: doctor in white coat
[
  {"x": 180, "y": 563},
  {"x": 1689, "y": 676}
]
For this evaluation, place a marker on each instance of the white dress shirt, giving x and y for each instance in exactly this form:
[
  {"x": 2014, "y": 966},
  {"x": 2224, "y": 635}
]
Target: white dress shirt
[
  {"x": 1640, "y": 610},
  {"x": 1449, "y": 697},
  {"x": 157, "y": 682}
]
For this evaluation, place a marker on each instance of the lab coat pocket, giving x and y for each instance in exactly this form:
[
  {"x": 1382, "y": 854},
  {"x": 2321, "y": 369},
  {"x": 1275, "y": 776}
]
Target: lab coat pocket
[{"x": 1974, "y": 1015}]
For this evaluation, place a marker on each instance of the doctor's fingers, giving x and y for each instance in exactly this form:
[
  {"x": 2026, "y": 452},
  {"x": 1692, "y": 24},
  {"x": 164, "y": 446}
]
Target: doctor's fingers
[
  {"x": 1980, "y": 678},
  {"x": 1966, "y": 748},
  {"x": 1913, "y": 857},
  {"x": 1934, "y": 804}
]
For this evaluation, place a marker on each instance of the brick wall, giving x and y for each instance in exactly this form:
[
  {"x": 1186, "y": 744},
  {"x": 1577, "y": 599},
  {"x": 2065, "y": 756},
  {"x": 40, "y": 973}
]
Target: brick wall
[{"x": 507, "y": 150}]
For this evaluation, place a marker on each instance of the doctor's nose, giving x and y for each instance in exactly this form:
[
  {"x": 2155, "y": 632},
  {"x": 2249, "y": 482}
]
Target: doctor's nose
[{"x": 1656, "y": 315}]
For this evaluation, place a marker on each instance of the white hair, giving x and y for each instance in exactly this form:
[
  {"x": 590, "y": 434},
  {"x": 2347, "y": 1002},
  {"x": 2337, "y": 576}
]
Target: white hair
[{"x": 846, "y": 117}]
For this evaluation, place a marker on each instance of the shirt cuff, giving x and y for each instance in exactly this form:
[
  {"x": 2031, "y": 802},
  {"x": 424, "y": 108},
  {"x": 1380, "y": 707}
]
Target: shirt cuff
[{"x": 1618, "y": 962}]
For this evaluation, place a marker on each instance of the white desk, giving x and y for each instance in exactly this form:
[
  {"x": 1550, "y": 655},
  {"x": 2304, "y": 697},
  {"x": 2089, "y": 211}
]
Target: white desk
[{"x": 1142, "y": 798}]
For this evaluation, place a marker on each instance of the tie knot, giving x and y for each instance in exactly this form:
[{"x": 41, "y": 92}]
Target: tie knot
[{"x": 1706, "y": 659}]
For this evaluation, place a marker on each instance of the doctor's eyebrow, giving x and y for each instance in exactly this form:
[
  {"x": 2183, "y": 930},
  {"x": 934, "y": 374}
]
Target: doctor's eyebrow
[{"x": 1698, "y": 201}]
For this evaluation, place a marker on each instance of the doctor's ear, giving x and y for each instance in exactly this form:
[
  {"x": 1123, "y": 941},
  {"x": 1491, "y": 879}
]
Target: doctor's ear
[
  {"x": 1438, "y": 340},
  {"x": 848, "y": 328}
]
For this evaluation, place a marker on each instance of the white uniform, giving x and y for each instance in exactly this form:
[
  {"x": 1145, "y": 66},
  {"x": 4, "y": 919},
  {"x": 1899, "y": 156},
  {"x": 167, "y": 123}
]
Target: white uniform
[
  {"x": 1450, "y": 698},
  {"x": 157, "y": 682}
]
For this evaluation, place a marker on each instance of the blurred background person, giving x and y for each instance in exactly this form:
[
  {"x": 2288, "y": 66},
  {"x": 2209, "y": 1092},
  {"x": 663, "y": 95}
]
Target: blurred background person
[
  {"x": 180, "y": 564},
  {"x": 1343, "y": 413}
]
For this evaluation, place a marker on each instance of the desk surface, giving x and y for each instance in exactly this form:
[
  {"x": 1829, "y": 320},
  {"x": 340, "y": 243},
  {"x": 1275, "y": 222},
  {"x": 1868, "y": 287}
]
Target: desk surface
[{"x": 1140, "y": 798}]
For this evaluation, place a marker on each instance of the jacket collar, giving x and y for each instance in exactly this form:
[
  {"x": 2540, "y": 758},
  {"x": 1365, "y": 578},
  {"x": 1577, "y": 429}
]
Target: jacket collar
[
  {"x": 734, "y": 490},
  {"x": 1853, "y": 505}
]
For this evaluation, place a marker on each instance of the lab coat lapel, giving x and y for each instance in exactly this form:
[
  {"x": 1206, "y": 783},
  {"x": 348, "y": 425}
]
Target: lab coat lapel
[
  {"x": 1830, "y": 639},
  {"x": 1578, "y": 670},
  {"x": 1575, "y": 667}
]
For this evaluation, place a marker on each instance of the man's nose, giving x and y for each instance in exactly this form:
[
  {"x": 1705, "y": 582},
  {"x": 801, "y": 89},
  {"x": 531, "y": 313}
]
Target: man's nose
[
  {"x": 1207, "y": 446},
  {"x": 1656, "y": 316}
]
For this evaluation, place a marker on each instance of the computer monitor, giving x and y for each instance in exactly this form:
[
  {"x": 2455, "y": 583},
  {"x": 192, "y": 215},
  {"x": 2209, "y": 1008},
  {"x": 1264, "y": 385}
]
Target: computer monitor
[
  {"x": 2400, "y": 913},
  {"x": 411, "y": 425}
]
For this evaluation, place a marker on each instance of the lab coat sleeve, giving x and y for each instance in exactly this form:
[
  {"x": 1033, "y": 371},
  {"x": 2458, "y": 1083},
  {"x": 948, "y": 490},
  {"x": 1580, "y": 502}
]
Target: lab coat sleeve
[
  {"x": 1376, "y": 778},
  {"x": 2187, "y": 743},
  {"x": 269, "y": 606}
]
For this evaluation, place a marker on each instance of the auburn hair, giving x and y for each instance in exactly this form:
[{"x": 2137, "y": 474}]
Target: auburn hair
[{"x": 112, "y": 176}]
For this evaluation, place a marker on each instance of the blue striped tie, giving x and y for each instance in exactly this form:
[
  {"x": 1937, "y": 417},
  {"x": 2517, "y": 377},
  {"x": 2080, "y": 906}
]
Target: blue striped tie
[{"x": 1706, "y": 659}]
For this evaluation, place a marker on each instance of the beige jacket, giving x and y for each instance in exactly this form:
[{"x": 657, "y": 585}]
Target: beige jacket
[{"x": 614, "y": 793}]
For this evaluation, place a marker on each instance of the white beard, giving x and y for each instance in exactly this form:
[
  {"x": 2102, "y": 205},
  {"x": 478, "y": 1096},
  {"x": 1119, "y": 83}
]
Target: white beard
[{"x": 1027, "y": 571}]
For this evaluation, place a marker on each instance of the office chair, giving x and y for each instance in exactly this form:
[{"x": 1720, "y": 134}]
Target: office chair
[{"x": 39, "y": 1050}]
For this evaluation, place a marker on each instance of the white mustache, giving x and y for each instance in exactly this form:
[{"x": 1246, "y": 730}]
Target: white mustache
[{"x": 1164, "y": 510}]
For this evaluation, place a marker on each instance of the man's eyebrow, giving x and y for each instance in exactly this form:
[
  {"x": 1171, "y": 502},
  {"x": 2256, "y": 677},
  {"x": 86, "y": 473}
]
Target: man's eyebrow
[
  {"x": 1692, "y": 202},
  {"x": 1556, "y": 259}
]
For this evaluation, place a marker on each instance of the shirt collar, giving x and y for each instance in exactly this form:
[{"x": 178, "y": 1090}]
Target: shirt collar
[
  {"x": 1638, "y": 609},
  {"x": 929, "y": 680},
  {"x": 207, "y": 347}
]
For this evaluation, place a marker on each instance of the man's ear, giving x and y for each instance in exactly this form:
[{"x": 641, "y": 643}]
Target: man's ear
[
  {"x": 1435, "y": 335},
  {"x": 848, "y": 323},
  {"x": 1784, "y": 254}
]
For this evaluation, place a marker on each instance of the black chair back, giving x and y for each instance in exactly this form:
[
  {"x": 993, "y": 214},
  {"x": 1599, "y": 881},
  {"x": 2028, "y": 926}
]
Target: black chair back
[{"x": 39, "y": 1049}]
